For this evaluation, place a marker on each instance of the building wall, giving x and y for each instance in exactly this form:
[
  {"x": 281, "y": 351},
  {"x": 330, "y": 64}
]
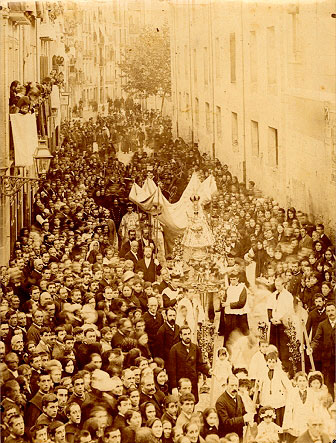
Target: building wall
[
  {"x": 136, "y": 15},
  {"x": 90, "y": 42},
  {"x": 28, "y": 41},
  {"x": 96, "y": 35},
  {"x": 254, "y": 85}
]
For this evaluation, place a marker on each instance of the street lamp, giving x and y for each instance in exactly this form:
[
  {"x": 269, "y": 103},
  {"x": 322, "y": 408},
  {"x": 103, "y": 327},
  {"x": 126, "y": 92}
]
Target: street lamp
[
  {"x": 42, "y": 159},
  {"x": 11, "y": 184}
]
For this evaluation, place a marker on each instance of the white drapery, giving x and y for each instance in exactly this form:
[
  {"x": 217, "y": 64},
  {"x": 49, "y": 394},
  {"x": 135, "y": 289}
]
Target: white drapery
[
  {"x": 173, "y": 216},
  {"x": 25, "y": 138}
]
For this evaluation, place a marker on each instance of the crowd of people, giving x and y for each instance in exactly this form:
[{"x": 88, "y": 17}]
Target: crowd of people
[{"x": 99, "y": 332}]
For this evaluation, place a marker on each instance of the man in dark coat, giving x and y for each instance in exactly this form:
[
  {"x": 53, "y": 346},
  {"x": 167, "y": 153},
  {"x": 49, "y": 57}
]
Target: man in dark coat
[
  {"x": 87, "y": 348},
  {"x": 126, "y": 247},
  {"x": 153, "y": 321},
  {"x": 36, "y": 275},
  {"x": 133, "y": 253},
  {"x": 168, "y": 335},
  {"x": 185, "y": 361},
  {"x": 231, "y": 411},
  {"x": 314, "y": 432},
  {"x": 33, "y": 333},
  {"x": 315, "y": 317},
  {"x": 123, "y": 405},
  {"x": 323, "y": 237},
  {"x": 123, "y": 332},
  {"x": 148, "y": 265},
  {"x": 150, "y": 394},
  {"x": 325, "y": 340},
  {"x": 145, "y": 241},
  {"x": 34, "y": 407}
]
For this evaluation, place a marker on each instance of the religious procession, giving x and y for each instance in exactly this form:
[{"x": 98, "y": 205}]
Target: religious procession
[{"x": 155, "y": 298}]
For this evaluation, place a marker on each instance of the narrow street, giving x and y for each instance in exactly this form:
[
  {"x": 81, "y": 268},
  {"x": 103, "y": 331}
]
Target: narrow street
[{"x": 167, "y": 221}]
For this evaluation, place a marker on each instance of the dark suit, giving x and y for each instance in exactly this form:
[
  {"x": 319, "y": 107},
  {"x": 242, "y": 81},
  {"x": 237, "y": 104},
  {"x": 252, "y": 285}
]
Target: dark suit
[
  {"x": 167, "y": 417},
  {"x": 306, "y": 438},
  {"x": 33, "y": 334},
  {"x": 126, "y": 247},
  {"x": 150, "y": 272},
  {"x": 325, "y": 240},
  {"x": 131, "y": 256},
  {"x": 143, "y": 243},
  {"x": 152, "y": 325},
  {"x": 237, "y": 250},
  {"x": 119, "y": 422},
  {"x": 33, "y": 410},
  {"x": 117, "y": 340},
  {"x": 325, "y": 341},
  {"x": 294, "y": 286},
  {"x": 314, "y": 319},
  {"x": 104, "y": 306},
  {"x": 157, "y": 399},
  {"x": 103, "y": 283},
  {"x": 163, "y": 285},
  {"x": 307, "y": 296},
  {"x": 84, "y": 351},
  {"x": 166, "y": 338},
  {"x": 74, "y": 398},
  {"x": 230, "y": 413},
  {"x": 127, "y": 435},
  {"x": 34, "y": 278},
  {"x": 182, "y": 364},
  {"x": 109, "y": 403}
]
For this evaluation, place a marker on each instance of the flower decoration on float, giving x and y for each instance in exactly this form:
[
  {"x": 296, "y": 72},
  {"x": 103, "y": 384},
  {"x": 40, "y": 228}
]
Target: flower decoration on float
[
  {"x": 294, "y": 345},
  {"x": 262, "y": 330}
]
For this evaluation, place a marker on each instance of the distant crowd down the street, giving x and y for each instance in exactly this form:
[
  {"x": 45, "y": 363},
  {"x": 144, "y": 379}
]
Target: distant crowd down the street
[{"x": 116, "y": 329}]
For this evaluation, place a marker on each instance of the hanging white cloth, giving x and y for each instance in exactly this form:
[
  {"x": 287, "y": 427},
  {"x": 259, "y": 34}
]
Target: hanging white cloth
[{"x": 25, "y": 138}]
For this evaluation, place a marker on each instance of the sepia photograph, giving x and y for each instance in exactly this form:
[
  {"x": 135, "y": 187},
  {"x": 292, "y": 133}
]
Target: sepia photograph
[{"x": 167, "y": 221}]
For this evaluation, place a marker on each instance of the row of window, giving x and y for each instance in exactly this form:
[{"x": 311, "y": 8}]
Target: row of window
[
  {"x": 272, "y": 136},
  {"x": 272, "y": 143},
  {"x": 219, "y": 63}
]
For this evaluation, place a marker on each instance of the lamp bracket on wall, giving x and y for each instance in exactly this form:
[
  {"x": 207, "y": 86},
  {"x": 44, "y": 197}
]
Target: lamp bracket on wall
[{"x": 10, "y": 185}]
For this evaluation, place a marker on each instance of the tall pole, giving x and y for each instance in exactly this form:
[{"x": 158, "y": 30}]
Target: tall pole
[
  {"x": 190, "y": 6},
  {"x": 156, "y": 227}
]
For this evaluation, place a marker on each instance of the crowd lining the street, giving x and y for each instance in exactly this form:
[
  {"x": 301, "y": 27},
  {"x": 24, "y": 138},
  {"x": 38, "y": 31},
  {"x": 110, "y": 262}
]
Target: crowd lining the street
[{"x": 97, "y": 329}]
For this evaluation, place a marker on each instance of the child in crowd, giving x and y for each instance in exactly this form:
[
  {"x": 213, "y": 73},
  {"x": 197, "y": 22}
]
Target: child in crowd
[
  {"x": 171, "y": 409},
  {"x": 258, "y": 360},
  {"x": 221, "y": 371},
  {"x": 268, "y": 431},
  {"x": 274, "y": 387},
  {"x": 210, "y": 422}
]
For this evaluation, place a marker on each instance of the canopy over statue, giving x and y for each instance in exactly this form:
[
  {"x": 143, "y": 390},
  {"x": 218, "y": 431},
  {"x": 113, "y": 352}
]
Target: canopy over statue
[{"x": 173, "y": 216}]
